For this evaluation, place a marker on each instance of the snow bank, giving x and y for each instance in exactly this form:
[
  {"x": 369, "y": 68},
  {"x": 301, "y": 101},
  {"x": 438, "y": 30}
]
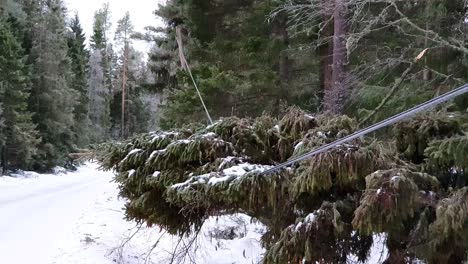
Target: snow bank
[{"x": 30, "y": 177}]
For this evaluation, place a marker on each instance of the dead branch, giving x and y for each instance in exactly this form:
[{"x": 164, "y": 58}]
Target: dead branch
[
  {"x": 148, "y": 254},
  {"x": 121, "y": 247},
  {"x": 394, "y": 88}
]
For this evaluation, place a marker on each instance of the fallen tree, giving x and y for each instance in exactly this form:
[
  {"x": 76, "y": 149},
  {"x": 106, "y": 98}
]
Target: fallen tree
[{"x": 410, "y": 188}]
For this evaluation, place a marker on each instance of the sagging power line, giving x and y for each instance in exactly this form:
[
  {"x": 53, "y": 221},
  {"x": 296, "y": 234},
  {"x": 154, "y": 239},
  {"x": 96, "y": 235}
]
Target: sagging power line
[
  {"x": 186, "y": 67},
  {"x": 389, "y": 121}
]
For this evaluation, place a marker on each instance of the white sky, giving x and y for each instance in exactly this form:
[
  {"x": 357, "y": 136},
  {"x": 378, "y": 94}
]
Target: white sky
[{"x": 141, "y": 13}]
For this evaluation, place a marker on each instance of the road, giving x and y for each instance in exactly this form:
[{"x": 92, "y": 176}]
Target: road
[
  {"x": 77, "y": 218},
  {"x": 36, "y": 216}
]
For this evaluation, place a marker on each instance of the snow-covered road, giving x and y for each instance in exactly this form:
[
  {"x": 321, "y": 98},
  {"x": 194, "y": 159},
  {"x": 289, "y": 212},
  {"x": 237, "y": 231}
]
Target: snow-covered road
[
  {"x": 37, "y": 215},
  {"x": 76, "y": 218}
]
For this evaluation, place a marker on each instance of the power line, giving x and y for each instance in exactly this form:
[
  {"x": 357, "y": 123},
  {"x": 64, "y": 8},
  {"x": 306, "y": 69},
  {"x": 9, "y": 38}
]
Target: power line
[
  {"x": 387, "y": 122},
  {"x": 186, "y": 66}
]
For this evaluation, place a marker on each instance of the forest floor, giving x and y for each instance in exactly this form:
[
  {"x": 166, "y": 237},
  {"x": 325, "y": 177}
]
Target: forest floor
[{"x": 76, "y": 217}]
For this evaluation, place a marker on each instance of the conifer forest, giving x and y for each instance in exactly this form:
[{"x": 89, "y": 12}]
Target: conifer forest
[{"x": 231, "y": 88}]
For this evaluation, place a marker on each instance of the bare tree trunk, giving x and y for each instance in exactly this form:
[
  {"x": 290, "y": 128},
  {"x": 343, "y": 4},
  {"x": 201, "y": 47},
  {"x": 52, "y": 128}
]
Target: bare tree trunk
[
  {"x": 279, "y": 32},
  {"x": 285, "y": 62},
  {"x": 325, "y": 53},
  {"x": 124, "y": 82},
  {"x": 426, "y": 72},
  {"x": 3, "y": 165},
  {"x": 334, "y": 98}
]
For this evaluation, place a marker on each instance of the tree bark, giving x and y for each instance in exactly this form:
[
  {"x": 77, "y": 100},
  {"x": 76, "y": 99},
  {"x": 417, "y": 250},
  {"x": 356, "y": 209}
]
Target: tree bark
[
  {"x": 279, "y": 33},
  {"x": 124, "y": 82},
  {"x": 334, "y": 98},
  {"x": 325, "y": 53},
  {"x": 285, "y": 63},
  {"x": 426, "y": 72},
  {"x": 3, "y": 162}
]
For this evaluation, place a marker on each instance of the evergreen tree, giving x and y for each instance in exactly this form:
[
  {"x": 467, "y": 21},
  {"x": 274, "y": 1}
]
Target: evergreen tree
[
  {"x": 319, "y": 54},
  {"x": 100, "y": 41},
  {"x": 100, "y": 81},
  {"x": 235, "y": 54},
  {"x": 79, "y": 57},
  {"x": 18, "y": 137},
  {"x": 411, "y": 189},
  {"x": 123, "y": 37},
  {"x": 98, "y": 99},
  {"x": 52, "y": 99},
  {"x": 11, "y": 7},
  {"x": 101, "y": 27}
]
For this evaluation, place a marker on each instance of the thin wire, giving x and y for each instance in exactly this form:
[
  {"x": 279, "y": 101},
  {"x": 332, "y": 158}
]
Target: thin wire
[
  {"x": 186, "y": 66},
  {"x": 390, "y": 121},
  {"x": 198, "y": 91}
]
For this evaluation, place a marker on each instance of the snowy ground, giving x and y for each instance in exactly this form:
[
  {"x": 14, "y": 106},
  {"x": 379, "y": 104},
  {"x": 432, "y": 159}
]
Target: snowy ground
[{"x": 73, "y": 218}]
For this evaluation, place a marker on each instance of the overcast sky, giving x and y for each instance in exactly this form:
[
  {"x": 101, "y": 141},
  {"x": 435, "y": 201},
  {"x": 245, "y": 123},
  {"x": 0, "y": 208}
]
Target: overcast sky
[{"x": 141, "y": 13}]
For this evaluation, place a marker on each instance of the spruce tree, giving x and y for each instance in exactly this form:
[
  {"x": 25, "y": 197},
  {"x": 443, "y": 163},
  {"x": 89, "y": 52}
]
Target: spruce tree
[
  {"x": 99, "y": 77},
  {"x": 52, "y": 99},
  {"x": 98, "y": 99},
  {"x": 18, "y": 137},
  {"x": 79, "y": 57},
  {"x": 11, "y": 7},
  {"x": 100, "y": 41},
  {"x": 101, "y": 27},
  {"x": 409, "y": 187},
  {"x": 235, "y": 54}
]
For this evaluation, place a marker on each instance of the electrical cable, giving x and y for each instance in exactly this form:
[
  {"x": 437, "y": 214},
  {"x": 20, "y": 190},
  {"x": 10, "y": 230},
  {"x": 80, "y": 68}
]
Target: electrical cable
[{"x": 389, "y": 121}]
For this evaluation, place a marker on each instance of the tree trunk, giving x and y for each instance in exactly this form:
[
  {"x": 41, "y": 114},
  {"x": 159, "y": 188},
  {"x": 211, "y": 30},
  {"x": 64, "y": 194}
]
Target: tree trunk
[
  {"x": 280, "y": 33},
  {"x": 124, "y": 82},
  {"x": 3, "y": 165},
  {"x": 285, "y": 62},
  {"x": 325, "y": 53},
  {"x": 426, "y": 72},
  {"x": 334, "y": 98}
]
